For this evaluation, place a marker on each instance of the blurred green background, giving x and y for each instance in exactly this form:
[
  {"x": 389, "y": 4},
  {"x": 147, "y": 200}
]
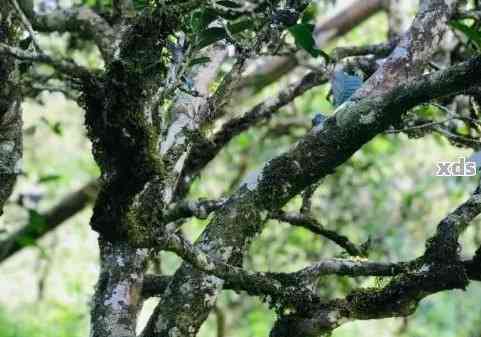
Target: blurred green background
[{"x": 387, "y": 191}]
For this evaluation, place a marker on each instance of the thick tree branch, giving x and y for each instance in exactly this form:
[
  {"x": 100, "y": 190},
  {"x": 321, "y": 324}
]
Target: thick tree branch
[
  {"x": 186, "y": 208},
  {"x": 437, "y": 270},
  {"x": 202, "y": 153},
  {"x": 315, "y": 156},
  {"x": 443, "y": 247},
  {"x": 118, "y": 297},
  {"x": 10, "y": 110},
  {"x": 379, "y": 50},
  {"x": 408, "y": 58},
  {"x": 280, "y": 285}
]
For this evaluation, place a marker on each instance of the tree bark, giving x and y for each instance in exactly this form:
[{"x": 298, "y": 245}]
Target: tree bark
[
  {"x": 118, "y": 296},
  {"x": 10, "y": 110},
  {"x": 192, "y": 294}
]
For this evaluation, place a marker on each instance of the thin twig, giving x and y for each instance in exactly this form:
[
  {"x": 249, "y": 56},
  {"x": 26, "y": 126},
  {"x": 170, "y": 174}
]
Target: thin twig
[{"x": 27, "y": 24}]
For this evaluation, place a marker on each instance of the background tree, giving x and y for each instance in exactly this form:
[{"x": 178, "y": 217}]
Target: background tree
[{"x": 167, "y": 87}]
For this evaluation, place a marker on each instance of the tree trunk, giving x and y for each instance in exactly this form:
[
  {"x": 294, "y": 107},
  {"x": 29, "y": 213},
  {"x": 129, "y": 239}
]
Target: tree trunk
[{"x": 10, "y": 111}]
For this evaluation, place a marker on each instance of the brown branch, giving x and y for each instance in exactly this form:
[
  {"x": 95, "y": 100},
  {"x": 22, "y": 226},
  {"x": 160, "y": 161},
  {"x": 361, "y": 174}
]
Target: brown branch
[
  {"x": 437, "y": 270},
  {"x": 66, "y": 208},
  {"x": 315, "y": 156},
  {"x": 379, "y": 50},
  {"x": 305, "y": 221},
  {"x": 281, "y": 285},
  {"x": 325, "y": 32},
  {"x": 78, "y": 20},
  {"x": 65, "y": 66},
  {"x": 443, "y": 247},
  {"x": 346, "y": 20},
  {"x": 27, "y": 24},
  {"x": 202, "y": 154}
]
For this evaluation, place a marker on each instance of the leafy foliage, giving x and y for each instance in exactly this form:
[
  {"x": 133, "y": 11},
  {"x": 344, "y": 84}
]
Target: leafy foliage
[{"x": 471, "y": 32}]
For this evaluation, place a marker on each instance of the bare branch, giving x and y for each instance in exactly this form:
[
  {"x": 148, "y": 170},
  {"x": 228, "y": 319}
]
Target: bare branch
[
  {"x": 336, "y": 26},
  {"x": 281, "y": 285},
  {"x": 79, "y": 19},
  {"x": 305, "y": 221},
  {"x": 443, "y": 247},
  {"x": 66, "y": 208},
  {"x": 234, "y": 127},
  {"x": 27, "y": 24},
  {"x": 379, "y": 50},
  {"x": 437, "y": 270},
  {"x": 355, "y": 123},
  {"x": 66, "y": 66}
]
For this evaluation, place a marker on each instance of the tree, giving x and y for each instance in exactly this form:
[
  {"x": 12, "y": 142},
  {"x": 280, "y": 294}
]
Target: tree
[
  {"x": 10, "y": 116},
  {"x": 155, "y": 122}
]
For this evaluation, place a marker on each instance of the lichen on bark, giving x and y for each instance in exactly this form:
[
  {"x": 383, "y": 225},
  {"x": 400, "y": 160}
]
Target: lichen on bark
[{"x": 10, "y": 110}]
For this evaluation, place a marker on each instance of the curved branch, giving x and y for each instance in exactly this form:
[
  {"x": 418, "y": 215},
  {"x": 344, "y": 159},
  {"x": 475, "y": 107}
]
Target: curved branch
[
  {"x": 67, "y": 67},
  {"x": 315, "y": 156},
  {"x": 78, "y": 20},
  {"x": 314, "y": 226},
  {"x": 438, "y": 269}
]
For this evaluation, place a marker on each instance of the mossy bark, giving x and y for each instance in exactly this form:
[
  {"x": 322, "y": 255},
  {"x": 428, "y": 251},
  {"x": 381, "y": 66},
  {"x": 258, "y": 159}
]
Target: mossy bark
[{"x": 10, "y": 110}]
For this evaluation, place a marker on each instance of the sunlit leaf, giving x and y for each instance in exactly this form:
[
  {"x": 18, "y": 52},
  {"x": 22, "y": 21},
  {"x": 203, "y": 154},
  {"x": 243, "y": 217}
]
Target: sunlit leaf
[
  {"x": 473, "y": 34},
  {"x": 302, "y": 34}
]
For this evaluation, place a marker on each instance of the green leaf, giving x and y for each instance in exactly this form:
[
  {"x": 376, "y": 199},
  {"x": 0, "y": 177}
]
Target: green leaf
[
  {"x": 210, "y": 36},
  {"x": 473, "y": 34},
  {"x": 214, "y": 34},
  {"x": 36, "y": 220},
  {"x": 26, "y": 241},
  {"x": 309, "y": 14},
  {"x": 244, "y": 141},
  {"x": 54, "y": 127},
  {"x": 57, "y": 128},
  {"x": 49, "y": 178},
  {"x": 141, "y": 4},
  {"x": 199, "y": 60},
  {"x": 302, "y": 34},
  {"x": 201, "y": 19}
]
